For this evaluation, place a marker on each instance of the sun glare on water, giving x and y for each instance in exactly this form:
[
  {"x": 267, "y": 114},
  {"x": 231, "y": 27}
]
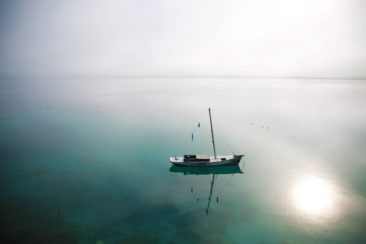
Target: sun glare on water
[{"x": 313, "y": 196}]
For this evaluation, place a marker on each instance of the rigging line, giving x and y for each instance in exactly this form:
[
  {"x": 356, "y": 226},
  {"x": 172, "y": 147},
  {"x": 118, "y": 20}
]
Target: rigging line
[
  {"x": 224, "y": 184},
  {"x": 188, "y": 138},
  {"x": 221, "y": 186},
  {"x": 185, "y": 142},
  {"x": 228, "y": 180},
  {"x": 226, "y": 141}
]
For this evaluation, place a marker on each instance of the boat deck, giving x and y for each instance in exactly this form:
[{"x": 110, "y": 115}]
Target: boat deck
[{"x": 202, "y": 160}]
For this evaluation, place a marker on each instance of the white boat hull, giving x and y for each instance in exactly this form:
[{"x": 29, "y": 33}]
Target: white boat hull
[{"x": 218, "y": 161}]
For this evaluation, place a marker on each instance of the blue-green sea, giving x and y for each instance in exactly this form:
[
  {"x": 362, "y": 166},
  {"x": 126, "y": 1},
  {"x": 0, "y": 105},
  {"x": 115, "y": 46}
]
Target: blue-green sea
[{"x": 87, "y": 160}]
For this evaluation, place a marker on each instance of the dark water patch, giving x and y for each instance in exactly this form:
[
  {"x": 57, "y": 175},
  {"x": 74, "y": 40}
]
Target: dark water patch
[{"x": 10, "y": 153}]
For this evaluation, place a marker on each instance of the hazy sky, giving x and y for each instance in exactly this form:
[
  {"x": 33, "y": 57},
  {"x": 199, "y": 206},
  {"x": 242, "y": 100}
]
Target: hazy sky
[{"x": 233, "y": 37}]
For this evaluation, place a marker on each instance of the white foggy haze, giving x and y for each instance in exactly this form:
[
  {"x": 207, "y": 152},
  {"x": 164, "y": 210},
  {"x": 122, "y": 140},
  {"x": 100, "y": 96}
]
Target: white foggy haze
[{"x": 304, "y": 38}]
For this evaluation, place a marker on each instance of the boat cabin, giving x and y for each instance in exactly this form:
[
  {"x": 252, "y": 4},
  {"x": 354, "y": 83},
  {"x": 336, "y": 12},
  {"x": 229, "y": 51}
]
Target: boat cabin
[{"x": 196, "y": 158}]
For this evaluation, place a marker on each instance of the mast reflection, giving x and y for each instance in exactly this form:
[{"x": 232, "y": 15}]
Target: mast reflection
[
  {"x": 214, "y": 171},
  {"x": 219, "y": 170}
]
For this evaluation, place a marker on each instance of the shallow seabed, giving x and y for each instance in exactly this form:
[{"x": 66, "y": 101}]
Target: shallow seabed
[{"x": 86, "y": 161}]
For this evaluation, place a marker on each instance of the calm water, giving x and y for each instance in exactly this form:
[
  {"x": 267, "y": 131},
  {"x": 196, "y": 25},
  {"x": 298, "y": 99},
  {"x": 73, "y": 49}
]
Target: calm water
[{"x": 86, "y": 161}]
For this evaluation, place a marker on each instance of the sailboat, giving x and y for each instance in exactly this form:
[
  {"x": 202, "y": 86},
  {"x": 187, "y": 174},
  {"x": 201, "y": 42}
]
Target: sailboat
[{"x": 206, "y": 160}]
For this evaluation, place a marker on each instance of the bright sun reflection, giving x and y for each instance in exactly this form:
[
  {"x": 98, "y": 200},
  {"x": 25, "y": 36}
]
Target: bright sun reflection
[{"x": 313, "y": 195}]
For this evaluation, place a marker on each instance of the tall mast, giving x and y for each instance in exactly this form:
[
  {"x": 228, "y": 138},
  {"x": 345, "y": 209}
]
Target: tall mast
[{"x": 212, "y": 134}]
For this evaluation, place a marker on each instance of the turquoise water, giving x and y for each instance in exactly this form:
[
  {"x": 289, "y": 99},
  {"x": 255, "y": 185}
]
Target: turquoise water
[{"x": 86, "y": 161}]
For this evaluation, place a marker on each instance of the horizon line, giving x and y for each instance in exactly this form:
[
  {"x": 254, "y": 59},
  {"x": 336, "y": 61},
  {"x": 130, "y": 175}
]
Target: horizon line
[{"x": 147, "y": 76}]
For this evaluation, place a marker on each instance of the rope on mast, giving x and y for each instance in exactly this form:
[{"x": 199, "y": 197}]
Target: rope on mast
[{"x": 225, "y": 138}]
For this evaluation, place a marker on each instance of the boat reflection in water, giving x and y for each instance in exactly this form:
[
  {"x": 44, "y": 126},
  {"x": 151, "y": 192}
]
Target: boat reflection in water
[
  {"x": 214, "y": 171},
  {"x": 219, "y": 170}
]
